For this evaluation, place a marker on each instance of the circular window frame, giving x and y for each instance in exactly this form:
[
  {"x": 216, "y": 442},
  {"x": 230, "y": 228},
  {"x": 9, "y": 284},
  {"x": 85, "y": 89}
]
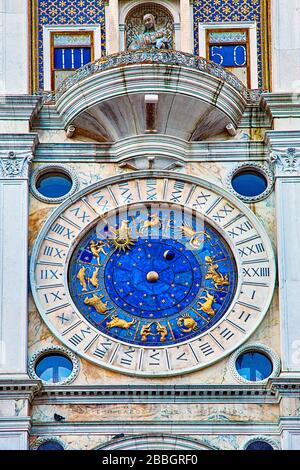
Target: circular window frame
[
  {"x": 266, "y": 439},
  {"x": 254, "y": 347},
  {"x": 264, "y": 170},
  {"x": 43, "y": 170},
  {"x": 41, "y": 440},
  {"x": 38, "y": 355}
]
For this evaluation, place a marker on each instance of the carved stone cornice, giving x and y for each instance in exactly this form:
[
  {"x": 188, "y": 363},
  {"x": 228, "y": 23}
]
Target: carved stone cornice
[
  {"x": 15, "y": 165},
  {"x": 19, "y": 389},
  {"x": 19, "y": 107},
  {"x": 285, "y": 385},
  {"x": 99, "y": 394},
  {"x": 286, "y": 161},
  {"x": 281, "y": 105}
]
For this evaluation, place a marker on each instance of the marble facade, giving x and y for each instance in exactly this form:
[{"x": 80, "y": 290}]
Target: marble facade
[{"x": 205, "y": 409}]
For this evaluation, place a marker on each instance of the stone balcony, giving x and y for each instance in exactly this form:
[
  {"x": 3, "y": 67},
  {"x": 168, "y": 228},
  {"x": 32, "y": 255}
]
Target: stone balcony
[{"x": 196, "y": 99}]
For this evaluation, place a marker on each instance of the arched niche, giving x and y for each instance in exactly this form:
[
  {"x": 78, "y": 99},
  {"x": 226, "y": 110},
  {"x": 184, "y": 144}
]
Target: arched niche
[{"x": 131, "y": 23}]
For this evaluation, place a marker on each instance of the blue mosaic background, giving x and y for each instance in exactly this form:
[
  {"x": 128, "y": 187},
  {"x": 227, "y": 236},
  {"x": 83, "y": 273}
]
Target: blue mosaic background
[
  {"x": 220, "y": 11},
  {"x": 68, "y": 12}
]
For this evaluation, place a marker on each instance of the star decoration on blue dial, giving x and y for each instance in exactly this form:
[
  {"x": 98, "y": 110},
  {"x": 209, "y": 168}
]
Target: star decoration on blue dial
[{"x": 152, "y": 276}]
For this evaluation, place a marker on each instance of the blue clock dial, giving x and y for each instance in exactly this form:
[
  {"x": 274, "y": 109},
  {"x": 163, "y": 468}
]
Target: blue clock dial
[
  {"x": 147, "y": 283},
  {"x": 152, "y": 276}
]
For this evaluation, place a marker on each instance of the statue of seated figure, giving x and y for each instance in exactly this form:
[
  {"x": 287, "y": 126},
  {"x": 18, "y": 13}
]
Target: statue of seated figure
[{"x": 150, "y": 38}]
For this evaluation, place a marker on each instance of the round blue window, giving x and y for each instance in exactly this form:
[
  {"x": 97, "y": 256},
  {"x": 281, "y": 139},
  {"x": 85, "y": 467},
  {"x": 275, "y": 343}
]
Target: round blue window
[
  {"x": 249, "y": 183},
  {"x": 254, "y": 366},
  {"x": 54, "y": 368},
  {"x": 259, "y": 445},
  {"x": 54, "y": 184},
  {"x": 50, "y": 445}
]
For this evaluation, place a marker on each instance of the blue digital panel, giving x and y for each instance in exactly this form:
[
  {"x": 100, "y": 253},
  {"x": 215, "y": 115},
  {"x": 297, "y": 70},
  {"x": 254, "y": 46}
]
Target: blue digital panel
[
  {"x": 152, "y": 277},
  {"x": 229, "y": 55},
  {"x": 71, "y": 57},
  {"x": 210, "y": 12}
]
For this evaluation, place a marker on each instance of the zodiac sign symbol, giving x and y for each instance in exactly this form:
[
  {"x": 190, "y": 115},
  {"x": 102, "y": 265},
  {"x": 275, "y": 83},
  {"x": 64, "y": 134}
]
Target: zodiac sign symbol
[
  {"x": 188, "y": 322},
  {"x": 97, "y": 248},
  {"x": 94, "y": 279},
  {"x": 122, "y": 240},
  {"x": 207, "y": 305},
  {"x": 81, "y": 277},
  {"x": 145, "y": 331},
  {"x": 155, "y": 221},
  {"x": 214, "y": 274},
  {"x": 96, "y": 302},
  {"x": 196, "y": 238},
  {"x": 160, "y": 329},
  {"x": 119, "y": 323}
]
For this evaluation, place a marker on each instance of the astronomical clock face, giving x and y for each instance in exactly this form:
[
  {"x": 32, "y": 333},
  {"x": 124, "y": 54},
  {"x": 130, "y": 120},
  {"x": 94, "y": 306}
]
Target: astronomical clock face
[{"x": 155, "y": 276}]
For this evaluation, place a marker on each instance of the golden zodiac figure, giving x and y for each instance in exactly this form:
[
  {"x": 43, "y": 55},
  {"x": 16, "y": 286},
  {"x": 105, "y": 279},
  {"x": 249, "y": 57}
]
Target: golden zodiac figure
[
  {"x": 96, "y": 302},
  {"x": 81, "y": 277},
  {"x": 155, "y": 221},
  {"x": 188, "y": 322},
  {"x": 160, "y": 329},
  {"x": 207, "y": 305},
  {"x": 214, "y": 274},
  {"x": 122, "y": 240},
  {"x": 97, "y": 248},
  {"x": 94, "y": 279},
  {"x": 146, "y": 331},
  {"x": 119, "y": 323},
  {"x": 196, "y": 238}
]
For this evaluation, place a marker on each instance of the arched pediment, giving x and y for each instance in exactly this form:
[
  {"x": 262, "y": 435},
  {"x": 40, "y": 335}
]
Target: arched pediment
[{"x": 155, "y": 442}]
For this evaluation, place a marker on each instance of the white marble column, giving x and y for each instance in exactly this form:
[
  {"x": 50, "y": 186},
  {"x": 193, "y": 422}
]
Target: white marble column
[
  {"x": 112, "y": 27},
  {"x": 290, "y": 437},
  {"x": 285, "y": 18},
  {"x": 13, "y": 263},
  {"x": 286, "y": 163},
  {"x": 14, "y": 46},
  {"x": 186, "y": 23}
]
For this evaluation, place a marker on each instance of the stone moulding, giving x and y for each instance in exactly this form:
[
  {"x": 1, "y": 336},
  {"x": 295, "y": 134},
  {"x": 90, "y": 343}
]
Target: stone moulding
[
  {"x": 263, "y": 169},
  {"x": 42, "y": 170},
  {"x": 157, "y": 441},
  {"x": 19, "y": 389},
  {"x": 157, "y": 57},
  {"x": 41, "y": 440},
  {"x": 267, "y": 439},
  {"x": 93, "y": 394},
  {"x": 54, "y": 349},
  {"x": 160, "y": 146},
  {"x": 257, "y": 347}
]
